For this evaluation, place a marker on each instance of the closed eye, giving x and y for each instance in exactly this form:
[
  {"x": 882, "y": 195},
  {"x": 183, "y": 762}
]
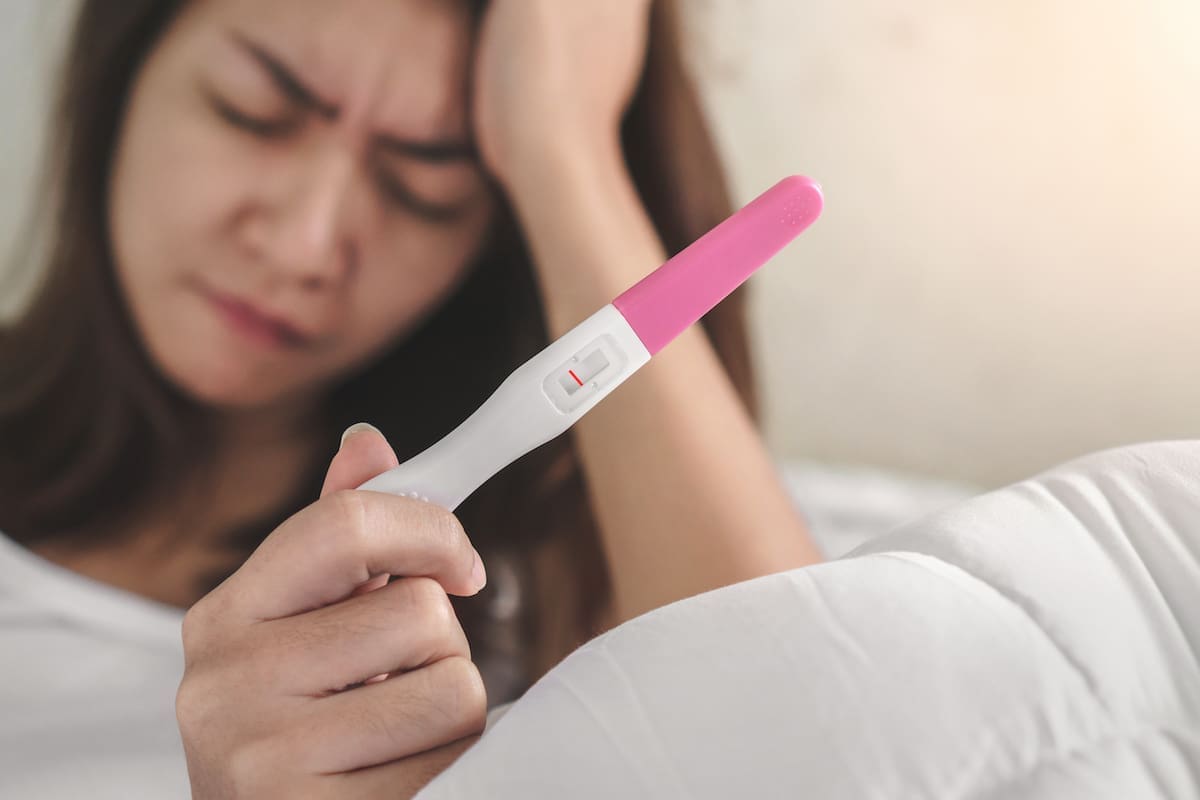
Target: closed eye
[
  {"x": 264, "y": 127},
  {"x": 399, "y": 195}
]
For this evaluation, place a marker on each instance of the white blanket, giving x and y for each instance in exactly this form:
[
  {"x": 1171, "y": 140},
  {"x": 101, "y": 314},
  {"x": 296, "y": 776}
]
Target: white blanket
[
  {"x": 108, "y": 730},
  {"x": 1038, "y": 642}
]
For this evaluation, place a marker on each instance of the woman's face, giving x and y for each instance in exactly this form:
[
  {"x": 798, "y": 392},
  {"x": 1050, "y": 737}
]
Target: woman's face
[{"x": 294, "y": 188}]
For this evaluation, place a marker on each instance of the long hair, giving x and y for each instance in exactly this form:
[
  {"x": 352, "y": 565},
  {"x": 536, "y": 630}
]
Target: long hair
[{"x": 90, "y": 430}]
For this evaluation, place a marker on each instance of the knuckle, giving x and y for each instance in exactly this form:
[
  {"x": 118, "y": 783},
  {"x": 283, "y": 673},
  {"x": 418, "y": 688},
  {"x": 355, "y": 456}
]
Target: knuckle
[
  {"x": 460, "y": 693},
  {"x": 193, "y": 628},
  {"x": 448, "y": 531},
  {"x": 444, "y": 636},
  {"x": 188, "y": 705},
  {"x": 195, "y": 702},
  {"x": 350, "y": 512},
  {"x": 248, "y": 768},
  {"x": 430, "y": 601},
  {"x": 206, "y": 638},
  {"x": 203, "y": 623},
  {"x": 434, "y": 626}
]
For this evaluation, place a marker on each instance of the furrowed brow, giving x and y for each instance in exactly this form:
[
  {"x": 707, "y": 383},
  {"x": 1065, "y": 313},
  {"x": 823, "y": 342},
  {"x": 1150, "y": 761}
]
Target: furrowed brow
[{"x": 285, "y": 78}]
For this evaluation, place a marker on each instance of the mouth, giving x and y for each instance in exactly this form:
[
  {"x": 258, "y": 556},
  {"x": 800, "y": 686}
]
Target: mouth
[{"x": 255, "y": 323}]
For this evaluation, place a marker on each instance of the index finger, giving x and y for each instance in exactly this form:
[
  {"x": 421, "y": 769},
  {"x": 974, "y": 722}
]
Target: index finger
[{"x": 322, "y": 553}]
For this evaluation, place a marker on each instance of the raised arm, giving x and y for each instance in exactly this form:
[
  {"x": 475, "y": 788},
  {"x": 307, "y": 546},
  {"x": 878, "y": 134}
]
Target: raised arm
[{"x": 686, "y": 496}]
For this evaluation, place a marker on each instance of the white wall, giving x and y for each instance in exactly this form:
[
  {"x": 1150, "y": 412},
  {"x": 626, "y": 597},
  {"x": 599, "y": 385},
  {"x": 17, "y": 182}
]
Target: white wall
[
  {"x": 29, "y": 35},
  {"x": 1008, "y": 272}
]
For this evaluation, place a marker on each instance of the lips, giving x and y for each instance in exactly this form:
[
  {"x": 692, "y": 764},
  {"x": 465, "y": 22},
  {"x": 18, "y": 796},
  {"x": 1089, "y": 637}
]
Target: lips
[{"x": 255, "y": 323}]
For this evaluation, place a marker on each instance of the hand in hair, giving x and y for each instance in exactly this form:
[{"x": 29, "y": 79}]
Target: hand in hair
[
  {"x": 551, "y": 75},
  {"x": 308, "y": 674}
]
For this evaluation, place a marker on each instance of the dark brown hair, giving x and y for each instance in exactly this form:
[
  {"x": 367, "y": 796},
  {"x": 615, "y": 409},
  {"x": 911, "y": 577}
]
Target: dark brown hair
[{"x": 89, "y": 429}]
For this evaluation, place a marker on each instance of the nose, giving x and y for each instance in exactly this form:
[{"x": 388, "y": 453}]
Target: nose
[{"x": 299, "y": 229}]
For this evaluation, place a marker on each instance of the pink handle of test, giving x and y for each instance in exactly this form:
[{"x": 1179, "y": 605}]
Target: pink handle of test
[{"x": 667, "y": 301}]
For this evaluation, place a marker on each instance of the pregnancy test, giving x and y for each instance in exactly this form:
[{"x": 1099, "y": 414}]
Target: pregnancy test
[{"x": 551, "y": 391}]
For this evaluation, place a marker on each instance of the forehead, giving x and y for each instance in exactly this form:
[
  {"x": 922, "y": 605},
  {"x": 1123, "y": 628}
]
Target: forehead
[{"x": 398, "y": 65}]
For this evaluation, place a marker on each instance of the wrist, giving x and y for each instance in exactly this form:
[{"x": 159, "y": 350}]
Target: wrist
[
  {"x": 590, "y": 236},
  {"x": 559, "y": 157}
]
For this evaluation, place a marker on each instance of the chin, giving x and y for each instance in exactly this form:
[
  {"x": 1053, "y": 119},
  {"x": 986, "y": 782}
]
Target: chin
[
  {"x": 232, "y": 383},
  {"x": 226, "y": 391}
]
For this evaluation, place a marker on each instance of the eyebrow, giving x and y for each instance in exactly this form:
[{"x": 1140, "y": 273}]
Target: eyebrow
[
  {"x": 285, "y": 79},
  {"x": 439, "y": 151}
]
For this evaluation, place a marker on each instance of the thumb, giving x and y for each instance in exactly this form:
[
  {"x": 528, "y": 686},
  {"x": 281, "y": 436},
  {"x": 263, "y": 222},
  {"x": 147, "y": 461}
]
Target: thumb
[{"x": 364, "y": 454}]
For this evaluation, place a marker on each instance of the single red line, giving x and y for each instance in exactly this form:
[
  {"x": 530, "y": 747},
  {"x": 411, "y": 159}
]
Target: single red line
[{"x": 576, "y": 377}]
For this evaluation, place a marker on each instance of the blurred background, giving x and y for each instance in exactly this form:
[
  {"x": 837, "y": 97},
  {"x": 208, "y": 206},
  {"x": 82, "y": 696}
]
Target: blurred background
[{"x": 1008, "y": 272}]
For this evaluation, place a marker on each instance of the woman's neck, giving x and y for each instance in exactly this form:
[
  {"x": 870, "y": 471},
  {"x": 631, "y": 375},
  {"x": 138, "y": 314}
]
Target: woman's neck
[
  {"x": 264, "y": 451},
  {"x": 257, "y": 462}
]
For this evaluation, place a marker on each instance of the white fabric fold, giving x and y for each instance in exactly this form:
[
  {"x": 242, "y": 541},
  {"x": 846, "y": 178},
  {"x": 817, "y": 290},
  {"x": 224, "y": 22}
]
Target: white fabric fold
[{"x": 1039, "y": 641}]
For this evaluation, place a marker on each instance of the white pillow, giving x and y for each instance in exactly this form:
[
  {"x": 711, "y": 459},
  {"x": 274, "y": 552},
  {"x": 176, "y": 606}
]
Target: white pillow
[{"x": 1039, "y": 641}]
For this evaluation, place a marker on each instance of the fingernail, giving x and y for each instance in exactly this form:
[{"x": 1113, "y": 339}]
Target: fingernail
[
  {"x": 358, "y": 427},
  {"x": 478, "y": 574}
]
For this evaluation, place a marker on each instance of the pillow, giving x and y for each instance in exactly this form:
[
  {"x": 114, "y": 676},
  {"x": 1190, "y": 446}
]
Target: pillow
[{"x": 1039, "y": 641}]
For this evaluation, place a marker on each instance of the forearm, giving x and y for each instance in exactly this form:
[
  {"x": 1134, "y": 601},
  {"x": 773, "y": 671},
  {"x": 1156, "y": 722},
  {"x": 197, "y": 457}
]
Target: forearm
[{"x": 685, "y": 494}]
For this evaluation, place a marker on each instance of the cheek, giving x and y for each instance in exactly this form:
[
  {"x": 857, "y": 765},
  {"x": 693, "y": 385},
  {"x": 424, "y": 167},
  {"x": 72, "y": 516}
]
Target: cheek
[
  {"x": 173, "y": 185},
  {"x": 169, "y": 191},
  {"x": 150, "y": 223}
]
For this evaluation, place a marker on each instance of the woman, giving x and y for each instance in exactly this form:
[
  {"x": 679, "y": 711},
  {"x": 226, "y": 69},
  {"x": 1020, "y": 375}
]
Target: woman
[{"x": 280, "y": 217}]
